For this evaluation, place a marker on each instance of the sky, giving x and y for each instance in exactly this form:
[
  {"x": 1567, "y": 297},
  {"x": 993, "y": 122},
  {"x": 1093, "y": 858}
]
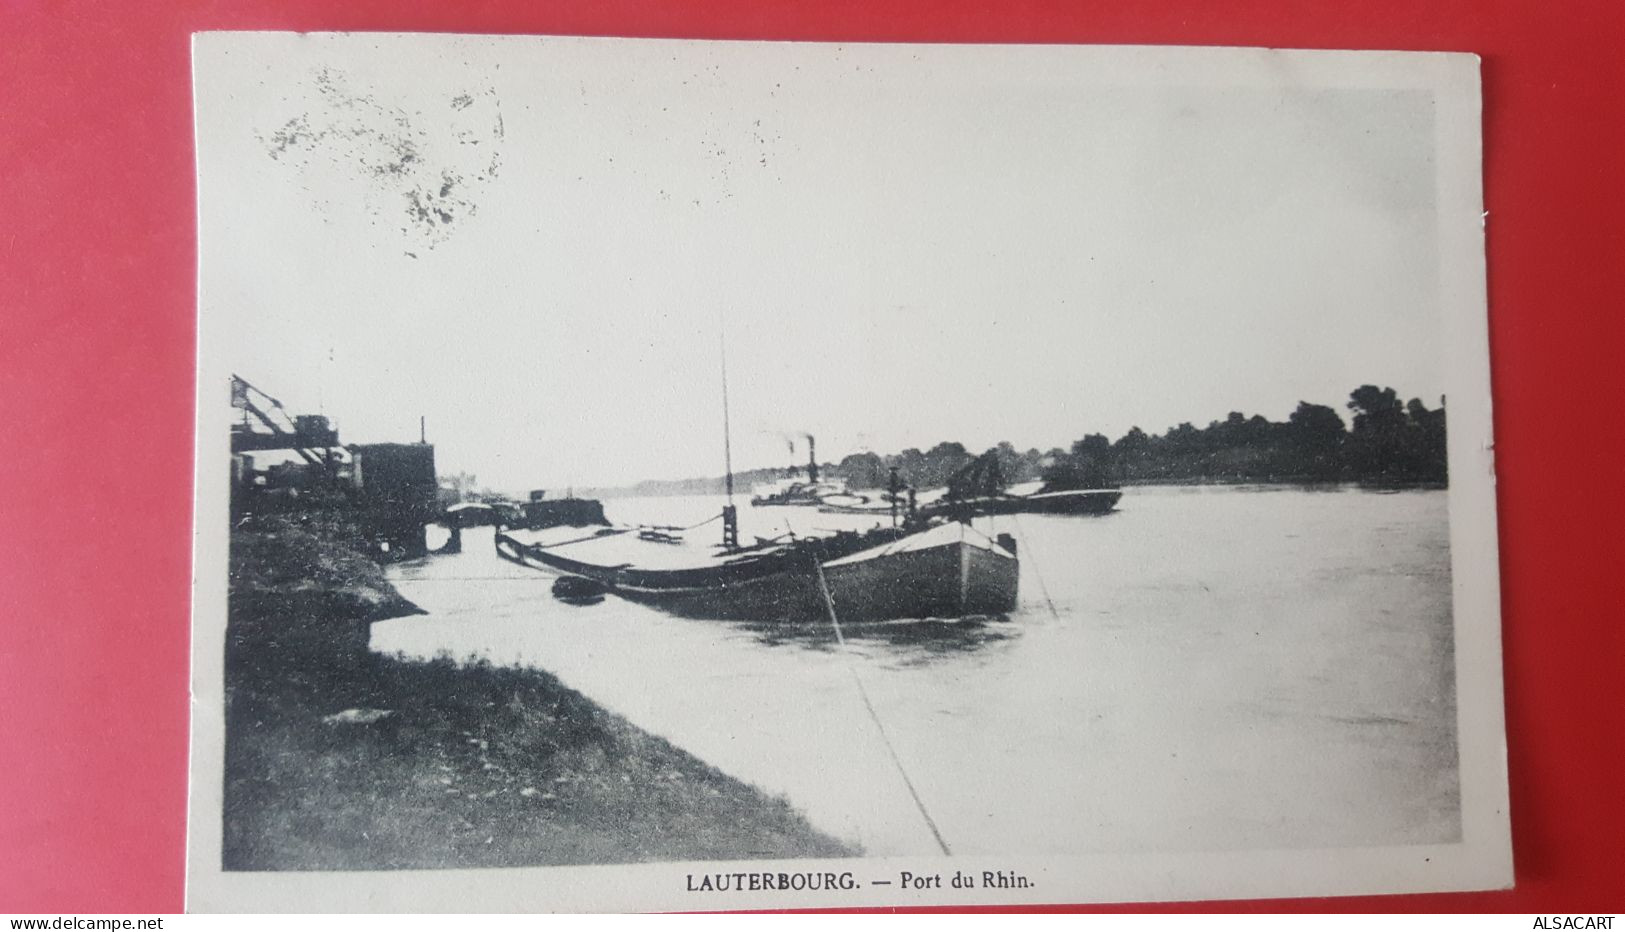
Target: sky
[{"x": 543, "y": 247}]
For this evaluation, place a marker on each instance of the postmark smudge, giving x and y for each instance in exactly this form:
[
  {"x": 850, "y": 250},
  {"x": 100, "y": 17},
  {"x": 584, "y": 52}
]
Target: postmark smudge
[{"x": 420, "y": 172}]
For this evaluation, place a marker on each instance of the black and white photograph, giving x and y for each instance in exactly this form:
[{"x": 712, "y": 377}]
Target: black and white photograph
[{"x": 695, "y": 475}]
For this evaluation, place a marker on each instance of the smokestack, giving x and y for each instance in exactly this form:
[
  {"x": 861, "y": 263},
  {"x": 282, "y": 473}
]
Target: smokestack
[{"x": 812, "y": 459}]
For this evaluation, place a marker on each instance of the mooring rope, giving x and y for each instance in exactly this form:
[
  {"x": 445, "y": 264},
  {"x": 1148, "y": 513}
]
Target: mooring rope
[
  {"x": 840, "y": 639},
  {"x": 667, "y": 527},
  {"x": 1027, "y": 549}
]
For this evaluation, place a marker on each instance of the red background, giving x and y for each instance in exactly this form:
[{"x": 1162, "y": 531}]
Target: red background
[{"x": 97, "y": 270}]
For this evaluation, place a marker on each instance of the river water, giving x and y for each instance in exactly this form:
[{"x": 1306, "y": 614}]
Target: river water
[{"x": 1207, "y": 668}]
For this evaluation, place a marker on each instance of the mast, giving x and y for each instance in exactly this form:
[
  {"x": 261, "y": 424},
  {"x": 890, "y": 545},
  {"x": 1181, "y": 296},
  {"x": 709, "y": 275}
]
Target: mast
[
  {"x": 894, "y": 484},
  {"x": 730, "y": 514}
]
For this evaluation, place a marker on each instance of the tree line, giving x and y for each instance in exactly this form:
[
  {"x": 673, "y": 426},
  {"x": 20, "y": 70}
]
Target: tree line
[{"x": 1386, "y": 441}]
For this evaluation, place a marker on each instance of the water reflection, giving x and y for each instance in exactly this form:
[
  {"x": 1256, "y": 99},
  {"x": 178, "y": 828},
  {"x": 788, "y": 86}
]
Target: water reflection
[{"x": 918, "y": 641}]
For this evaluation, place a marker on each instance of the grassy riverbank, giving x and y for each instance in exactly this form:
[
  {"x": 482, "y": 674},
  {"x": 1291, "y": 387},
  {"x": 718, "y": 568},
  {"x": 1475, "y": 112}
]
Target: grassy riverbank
[{"x": 340, "y": 759}]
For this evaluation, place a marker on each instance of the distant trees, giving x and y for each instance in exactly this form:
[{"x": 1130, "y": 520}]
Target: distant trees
[
  {"x": 863, "y": 471},
  {"x": 1091, "y": 464},
  {"x": 1011, "y": 461},
  {"x": 1395, "y": 442},
  {"x": 931, "y": 468},
  {"x": 1388, "y": 441},
  {"x": 1316, "y": 433}
]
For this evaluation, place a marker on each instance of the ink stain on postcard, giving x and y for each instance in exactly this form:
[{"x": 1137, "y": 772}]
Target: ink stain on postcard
[{"x": 386, "y": 161}]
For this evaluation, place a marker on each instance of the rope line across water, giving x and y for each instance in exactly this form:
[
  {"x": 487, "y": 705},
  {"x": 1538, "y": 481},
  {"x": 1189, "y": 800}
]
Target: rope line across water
[
  {"x": 1028, "y": 550},
  {"x": 863, "y": 693}
]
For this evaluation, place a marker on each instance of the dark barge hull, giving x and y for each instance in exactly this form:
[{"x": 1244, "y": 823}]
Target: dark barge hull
[{"x": 948, "y": 580}]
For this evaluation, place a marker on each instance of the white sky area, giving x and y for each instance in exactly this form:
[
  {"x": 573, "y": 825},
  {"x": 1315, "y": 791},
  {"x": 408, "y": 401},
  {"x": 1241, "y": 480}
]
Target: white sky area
[{"x": 901, "y": 245}]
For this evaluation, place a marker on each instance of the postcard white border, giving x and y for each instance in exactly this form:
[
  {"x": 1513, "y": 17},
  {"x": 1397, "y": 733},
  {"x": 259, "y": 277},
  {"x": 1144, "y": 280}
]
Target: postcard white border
[{"x": 1481, "y": 860}]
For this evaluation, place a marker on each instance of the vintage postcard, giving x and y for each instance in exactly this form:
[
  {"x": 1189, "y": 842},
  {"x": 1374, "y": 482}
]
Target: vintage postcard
[{"x": 680, "y": 475}]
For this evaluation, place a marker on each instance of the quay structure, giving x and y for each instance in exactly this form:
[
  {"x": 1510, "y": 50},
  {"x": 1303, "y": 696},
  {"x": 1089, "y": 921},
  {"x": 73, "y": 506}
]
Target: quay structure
[{"x": 283, "y": 462}]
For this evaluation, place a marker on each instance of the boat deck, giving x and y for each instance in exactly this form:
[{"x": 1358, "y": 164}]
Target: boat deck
[
  {"x": 621, "y": 546},
  {"x": 942, "y": 535}
]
